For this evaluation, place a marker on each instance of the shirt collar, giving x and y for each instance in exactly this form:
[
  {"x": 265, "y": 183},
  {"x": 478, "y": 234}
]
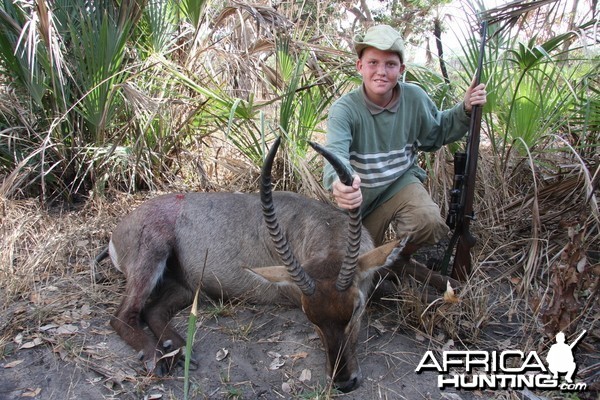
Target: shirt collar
[{"x": 374, "y": 109}]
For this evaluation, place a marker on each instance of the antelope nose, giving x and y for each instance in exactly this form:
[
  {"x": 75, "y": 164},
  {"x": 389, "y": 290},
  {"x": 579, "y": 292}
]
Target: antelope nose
[{"x": 351, "y": 384}]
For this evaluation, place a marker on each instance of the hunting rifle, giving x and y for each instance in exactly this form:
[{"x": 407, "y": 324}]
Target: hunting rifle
[
  {"x": 574, "y": 342},
  {"x": 460, "y": 210}
]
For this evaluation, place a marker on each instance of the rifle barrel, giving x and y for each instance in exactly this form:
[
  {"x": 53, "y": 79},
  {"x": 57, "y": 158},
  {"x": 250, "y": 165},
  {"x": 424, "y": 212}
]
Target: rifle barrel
[
  {"x": 462, "y": 260},
  {"x": 574, "y": 342}
]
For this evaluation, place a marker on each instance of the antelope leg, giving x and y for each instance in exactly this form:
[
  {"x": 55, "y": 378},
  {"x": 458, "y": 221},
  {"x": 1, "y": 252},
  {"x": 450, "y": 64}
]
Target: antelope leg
[{"x": 422, "y": 274}]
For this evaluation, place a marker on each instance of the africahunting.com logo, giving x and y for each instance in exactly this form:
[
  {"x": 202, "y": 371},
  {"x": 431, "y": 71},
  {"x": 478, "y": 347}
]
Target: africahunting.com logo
[{"x": 506, "y": 369}]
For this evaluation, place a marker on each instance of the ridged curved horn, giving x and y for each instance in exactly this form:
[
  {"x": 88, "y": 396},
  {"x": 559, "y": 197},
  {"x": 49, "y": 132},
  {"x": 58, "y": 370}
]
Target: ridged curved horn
[
  {"x": 346, "y": 275},
  {"x": 297, "y": 273}
]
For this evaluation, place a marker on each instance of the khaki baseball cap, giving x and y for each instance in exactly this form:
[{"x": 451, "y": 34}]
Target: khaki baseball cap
[{"x": 382, "y": 37}]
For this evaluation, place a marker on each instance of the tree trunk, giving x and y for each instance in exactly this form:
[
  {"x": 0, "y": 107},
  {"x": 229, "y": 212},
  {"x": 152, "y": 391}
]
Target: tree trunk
[{"x": 437, "y": 32}]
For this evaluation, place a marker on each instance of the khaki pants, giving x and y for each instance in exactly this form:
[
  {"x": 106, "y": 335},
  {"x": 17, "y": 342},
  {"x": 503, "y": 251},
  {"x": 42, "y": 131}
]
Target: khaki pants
[{"x": 410, "y": 212}]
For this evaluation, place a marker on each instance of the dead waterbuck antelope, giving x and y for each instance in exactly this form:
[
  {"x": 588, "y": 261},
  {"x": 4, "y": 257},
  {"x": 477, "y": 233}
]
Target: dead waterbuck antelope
[{"x": 175, "y": 243}]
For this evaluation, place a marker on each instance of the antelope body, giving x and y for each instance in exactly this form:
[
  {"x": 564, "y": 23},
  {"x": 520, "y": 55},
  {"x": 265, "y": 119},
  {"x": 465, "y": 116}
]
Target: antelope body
[{"x": 173, "y": 244}]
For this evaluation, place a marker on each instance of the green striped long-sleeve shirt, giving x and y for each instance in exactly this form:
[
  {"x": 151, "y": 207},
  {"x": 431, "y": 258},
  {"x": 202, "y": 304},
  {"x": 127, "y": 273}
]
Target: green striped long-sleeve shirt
[{"x": 381, "y": 144}]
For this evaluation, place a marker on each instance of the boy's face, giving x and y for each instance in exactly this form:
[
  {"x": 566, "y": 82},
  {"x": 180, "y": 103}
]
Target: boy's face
[{"x": 380, "y": 71}]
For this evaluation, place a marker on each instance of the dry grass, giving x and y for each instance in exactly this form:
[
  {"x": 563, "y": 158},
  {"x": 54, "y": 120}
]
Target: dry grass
[
  {"x": 537, "y": 265},
  {"x": 46, "y": 255},
  {"x": 48, "y": 278}
]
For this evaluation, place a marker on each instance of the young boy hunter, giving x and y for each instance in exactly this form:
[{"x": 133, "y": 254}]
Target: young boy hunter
[{"x": 377, "y": 130}]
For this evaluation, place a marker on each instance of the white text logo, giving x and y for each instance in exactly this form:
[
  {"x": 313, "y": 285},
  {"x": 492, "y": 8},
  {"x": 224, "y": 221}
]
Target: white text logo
[{"x": 507, "y": 369}]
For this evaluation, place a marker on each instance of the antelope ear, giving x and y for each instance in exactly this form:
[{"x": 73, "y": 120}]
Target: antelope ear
[
  {"x": 380, "y": 257},
  {"x": 274, "y": 274}
]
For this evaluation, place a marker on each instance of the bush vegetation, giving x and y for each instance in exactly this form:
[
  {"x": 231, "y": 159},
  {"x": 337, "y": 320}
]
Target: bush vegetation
[{"x": 100, "y": 97}]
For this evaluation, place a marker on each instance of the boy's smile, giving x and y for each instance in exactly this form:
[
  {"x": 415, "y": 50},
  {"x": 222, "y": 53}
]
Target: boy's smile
[{"x": 380, "y": 71}]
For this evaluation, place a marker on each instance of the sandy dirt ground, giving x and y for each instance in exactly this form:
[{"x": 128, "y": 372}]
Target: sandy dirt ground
[{"x": 244, "y": 352}]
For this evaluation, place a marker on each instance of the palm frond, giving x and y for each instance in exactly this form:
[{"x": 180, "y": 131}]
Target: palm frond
[{"x": 510, "y": 13}]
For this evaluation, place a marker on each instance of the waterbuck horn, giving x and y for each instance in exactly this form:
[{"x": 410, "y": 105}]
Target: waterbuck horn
[
  {"x": 304, "y": 282},
  {"x": 348, "y": 269}
]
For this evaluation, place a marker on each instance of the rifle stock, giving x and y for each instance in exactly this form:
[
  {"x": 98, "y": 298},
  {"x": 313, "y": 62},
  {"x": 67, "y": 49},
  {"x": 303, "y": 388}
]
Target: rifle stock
[{"x": 461, "y": 213}]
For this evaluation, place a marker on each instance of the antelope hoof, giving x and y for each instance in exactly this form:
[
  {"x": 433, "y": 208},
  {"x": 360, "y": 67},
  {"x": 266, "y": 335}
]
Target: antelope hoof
[
  {"x": 160, "y": 362},
  {"x": 193, "y": 361},
  {"x": 149, "y": 363}
]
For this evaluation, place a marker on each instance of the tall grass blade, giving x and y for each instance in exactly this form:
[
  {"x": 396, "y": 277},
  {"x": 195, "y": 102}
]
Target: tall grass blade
[{"x": 189, "y": 344}]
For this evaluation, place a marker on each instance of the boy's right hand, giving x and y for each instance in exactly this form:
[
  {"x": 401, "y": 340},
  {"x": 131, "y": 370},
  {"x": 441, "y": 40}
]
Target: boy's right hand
[{"x": 348, "y": 197}]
